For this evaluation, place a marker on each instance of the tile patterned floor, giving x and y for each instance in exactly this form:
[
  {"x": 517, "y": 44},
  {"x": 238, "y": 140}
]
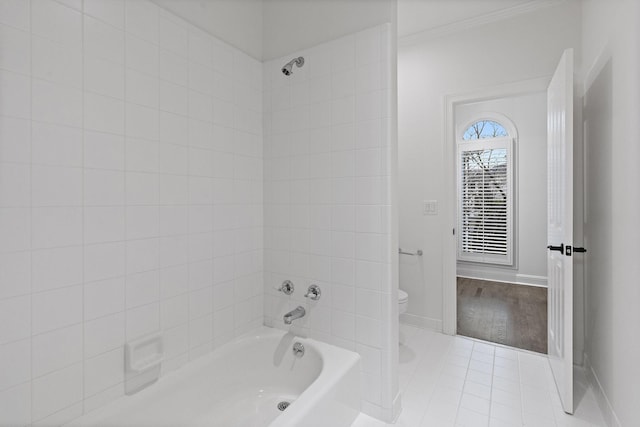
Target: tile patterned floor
[{"x": 455, "y": 381}]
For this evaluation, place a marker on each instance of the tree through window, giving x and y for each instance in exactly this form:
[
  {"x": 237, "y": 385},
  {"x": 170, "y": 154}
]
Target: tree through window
[{"x": 484, "y": 129}]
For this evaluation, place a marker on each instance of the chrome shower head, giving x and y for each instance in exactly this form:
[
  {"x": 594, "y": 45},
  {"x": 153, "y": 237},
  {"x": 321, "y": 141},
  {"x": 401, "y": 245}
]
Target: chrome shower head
[{"x": 288, "y": 68}]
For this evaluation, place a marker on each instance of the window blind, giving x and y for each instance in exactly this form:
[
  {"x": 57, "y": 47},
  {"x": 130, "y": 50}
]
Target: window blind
[{"x": 485, "y": 202}]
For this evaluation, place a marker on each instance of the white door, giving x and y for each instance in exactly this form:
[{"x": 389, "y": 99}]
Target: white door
[{"x": 560, "y": 227}]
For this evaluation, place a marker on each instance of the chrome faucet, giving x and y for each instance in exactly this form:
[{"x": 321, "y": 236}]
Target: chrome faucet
[{"x": 294, "y": 314}]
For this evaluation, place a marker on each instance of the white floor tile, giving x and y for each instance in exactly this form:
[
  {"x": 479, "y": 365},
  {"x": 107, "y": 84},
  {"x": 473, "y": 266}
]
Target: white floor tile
[
  {"x": 506, "y": 413},
  {"x": 440, "y": 414},
  {"x": 507, "y": 398},
  {"x": 507, "y": 385},
  {"x": 479, "y": 377},
  {"x": 461, "y": 351},
  {"x": 454, "y": 371},
  {"x": 469, "y": 418},
  {"x": 446, "y": 395},
  {"x": 484, "y": 348},
  {"x": 364, "y": 420},
  {"x": 454, "y": 381},
  {"x": 506, "y": 353},
  {"x": 532, "y": 419},
  {"x": 451, "y": 382},
  {"x": 481, "y": 366},
  {"x": 459, "y": 360},
  {"x": 475, "y": 404},
  {"x": 507, "y": 372},
  {"x": 482, "y": 356},
  {"x": 478, "y": 390},
  {"x": 494, "y": 422}
]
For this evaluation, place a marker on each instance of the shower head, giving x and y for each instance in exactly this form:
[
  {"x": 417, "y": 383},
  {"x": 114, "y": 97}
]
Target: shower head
[{"x": 288, "y": 68}]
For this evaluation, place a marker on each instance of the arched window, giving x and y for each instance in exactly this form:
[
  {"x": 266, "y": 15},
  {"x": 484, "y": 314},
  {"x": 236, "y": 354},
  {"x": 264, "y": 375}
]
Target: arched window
[{"x": 485, "y": 193}]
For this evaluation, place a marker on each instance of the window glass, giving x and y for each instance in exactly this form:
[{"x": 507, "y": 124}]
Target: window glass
[{"x": 484, "y": 129}]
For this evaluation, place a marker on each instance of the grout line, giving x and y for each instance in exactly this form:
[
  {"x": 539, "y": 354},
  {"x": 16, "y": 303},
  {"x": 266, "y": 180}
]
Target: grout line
[
  {"x": 189, "y": 349},
  {"x": 125, "y": 173},
  {"x": 158, "y": 299},
  {"x": 31, "y": 412},
  {"x": 493, "y": 368},
  {"x": 84, "y": 218}
]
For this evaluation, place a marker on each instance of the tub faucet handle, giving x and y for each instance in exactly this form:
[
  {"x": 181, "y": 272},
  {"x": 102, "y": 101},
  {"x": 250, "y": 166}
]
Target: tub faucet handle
[
  {"x": 286, "y": 287},
  {"x": 313, "y": 293}
]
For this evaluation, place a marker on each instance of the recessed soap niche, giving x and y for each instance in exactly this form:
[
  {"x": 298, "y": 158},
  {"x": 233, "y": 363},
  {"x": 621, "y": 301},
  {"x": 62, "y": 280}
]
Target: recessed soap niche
[{"x": 143, "y": 362}]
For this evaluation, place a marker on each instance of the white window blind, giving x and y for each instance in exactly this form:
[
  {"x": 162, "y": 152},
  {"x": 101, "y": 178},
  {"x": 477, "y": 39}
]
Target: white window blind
[{"x": 485, "y": 201}]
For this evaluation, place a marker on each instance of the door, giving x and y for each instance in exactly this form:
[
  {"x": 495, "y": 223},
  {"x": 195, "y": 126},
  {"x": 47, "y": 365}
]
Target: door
[{"x": 560, "y": 227}]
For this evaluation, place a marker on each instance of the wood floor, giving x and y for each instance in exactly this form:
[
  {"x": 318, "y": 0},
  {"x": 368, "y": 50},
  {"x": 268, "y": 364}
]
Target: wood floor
[{"x": 504, "y": 313}]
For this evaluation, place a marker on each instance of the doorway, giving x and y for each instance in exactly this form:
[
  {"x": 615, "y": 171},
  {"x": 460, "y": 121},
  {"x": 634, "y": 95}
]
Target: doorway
[{"x": 500, "y": 219}]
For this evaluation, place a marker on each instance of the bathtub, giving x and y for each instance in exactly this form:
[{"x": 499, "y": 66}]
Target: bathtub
[{"x": 241, "y": 384}]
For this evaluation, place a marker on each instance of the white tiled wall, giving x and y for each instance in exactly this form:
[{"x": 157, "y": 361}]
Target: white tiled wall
[
  {"x": 130, "y": 197},
  {"x": 327, "y": 199}
]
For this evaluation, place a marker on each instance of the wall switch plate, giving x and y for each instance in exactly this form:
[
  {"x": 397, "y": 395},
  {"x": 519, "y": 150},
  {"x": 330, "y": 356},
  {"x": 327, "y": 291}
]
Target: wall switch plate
[{"x": 429, "y": 207}]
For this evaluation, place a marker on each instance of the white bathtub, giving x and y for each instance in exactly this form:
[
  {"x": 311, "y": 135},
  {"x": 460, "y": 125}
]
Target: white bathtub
[{"x": 241, "y": 384}]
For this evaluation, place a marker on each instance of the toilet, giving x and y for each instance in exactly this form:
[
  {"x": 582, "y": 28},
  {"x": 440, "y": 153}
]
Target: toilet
[{"x": 403, "y": 301}]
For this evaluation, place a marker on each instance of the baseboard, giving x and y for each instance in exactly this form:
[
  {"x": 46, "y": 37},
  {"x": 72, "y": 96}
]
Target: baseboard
[
  {"x": 502, "y": 276},
  {"x": 383, "y": 414},
  {"x": 397, "y": 407},
  {"x": 421, "y": 322},
  {"x": 609, "y": 415},
  {"x": 372, "y": 410}
]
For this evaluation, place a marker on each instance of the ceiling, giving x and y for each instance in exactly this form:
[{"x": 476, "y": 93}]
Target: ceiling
[
  {"x": 266, "y": 29},
  {"x": 415, "y": 16},
  {"x": 292, "y": 25},
  {"x": 237, "y": 22}
]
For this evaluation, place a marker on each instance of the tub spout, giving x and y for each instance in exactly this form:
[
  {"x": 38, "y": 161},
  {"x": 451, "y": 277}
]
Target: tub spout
[{"x": 294, "y": 314}]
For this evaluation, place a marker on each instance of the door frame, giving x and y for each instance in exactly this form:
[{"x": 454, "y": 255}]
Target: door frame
[{"x": 449, "y": 241}]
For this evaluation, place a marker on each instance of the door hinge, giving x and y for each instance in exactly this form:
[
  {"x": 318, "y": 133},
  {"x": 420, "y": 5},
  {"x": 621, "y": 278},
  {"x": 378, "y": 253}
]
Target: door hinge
[{"x": 454, "y": 231}]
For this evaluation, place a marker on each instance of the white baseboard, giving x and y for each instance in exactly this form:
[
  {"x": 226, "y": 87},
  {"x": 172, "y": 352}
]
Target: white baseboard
[
  {"x": 383, "y": 414},
  {"x": 421, "y": 322},
  {"x": 503, "y": 276},
  {"x": 397, "y": 407},
  {"x": 388, "y": 415},
  {"x": 372, "y": 410},
  {"x": 609, "y": 415}
]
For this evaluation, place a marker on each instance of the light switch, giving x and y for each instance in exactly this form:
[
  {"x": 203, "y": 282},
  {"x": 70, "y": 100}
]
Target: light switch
[{"x": 430, "y": 207}]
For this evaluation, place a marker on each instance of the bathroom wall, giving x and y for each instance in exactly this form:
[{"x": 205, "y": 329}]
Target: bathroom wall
[
  {"x": 329, "y": 156},
  {"x": 462, "y": 60},
  {"x": 610, "y": 36},
  {"x": 130, "y": 198}
]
